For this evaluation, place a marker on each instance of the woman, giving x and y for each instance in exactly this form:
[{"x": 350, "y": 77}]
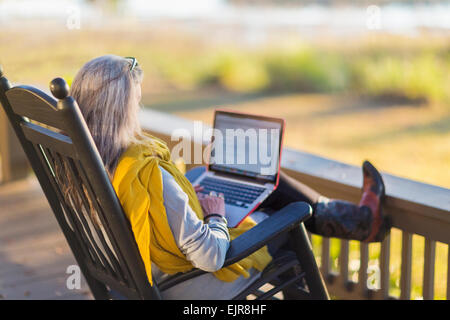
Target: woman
[{"x": 177, "y": 228}]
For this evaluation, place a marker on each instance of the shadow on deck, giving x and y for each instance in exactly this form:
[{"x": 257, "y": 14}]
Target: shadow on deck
[{"x": 34, "y": 254}]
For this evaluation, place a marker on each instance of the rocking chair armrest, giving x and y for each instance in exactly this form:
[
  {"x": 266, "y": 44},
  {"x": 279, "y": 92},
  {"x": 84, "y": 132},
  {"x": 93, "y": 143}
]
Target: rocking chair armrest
[{"x": 276, "y": 224}]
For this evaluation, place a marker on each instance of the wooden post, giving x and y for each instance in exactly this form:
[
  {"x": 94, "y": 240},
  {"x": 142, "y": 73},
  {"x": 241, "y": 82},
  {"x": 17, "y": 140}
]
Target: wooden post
[
  {"x": 406, "y": 268},
  {"x": 13, "y": 161},
  {"x": 428, "y": 270}
]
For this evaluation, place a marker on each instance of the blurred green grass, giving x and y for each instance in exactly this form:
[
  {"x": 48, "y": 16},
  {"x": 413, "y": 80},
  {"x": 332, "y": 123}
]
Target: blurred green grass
[
  {"x": 419, "y": 77},
  {"x": 386, "y": 67}
]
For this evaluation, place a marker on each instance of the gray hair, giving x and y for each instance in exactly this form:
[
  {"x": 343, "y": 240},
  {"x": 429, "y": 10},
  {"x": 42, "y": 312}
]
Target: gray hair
[{"x": 104, "y": 89}]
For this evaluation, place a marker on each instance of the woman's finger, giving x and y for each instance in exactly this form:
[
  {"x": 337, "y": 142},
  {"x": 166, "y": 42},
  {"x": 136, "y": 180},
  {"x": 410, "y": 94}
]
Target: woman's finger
[
  {"x": 198, "y": 188},
  {"x": 200, "y": 196}
]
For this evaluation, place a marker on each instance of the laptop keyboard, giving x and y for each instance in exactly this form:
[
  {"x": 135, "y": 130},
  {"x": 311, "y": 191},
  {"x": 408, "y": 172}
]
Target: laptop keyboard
[{"x": 236, "y": 194}]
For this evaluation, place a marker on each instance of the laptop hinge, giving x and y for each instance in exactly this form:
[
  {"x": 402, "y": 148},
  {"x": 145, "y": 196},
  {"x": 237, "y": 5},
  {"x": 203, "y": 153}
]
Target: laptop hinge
[{"x": 242, "y": 178}]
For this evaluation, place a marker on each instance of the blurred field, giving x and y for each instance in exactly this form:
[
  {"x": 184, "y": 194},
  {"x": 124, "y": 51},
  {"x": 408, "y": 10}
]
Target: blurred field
[{"x": 381, "y": 66}]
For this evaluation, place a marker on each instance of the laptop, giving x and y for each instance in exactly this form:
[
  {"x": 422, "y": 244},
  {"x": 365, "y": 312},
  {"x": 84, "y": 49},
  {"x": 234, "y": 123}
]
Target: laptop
[{"x": 244, "y": 161}]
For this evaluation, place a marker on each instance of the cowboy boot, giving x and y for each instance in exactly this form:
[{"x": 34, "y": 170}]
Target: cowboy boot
[{"x": 364, "y": 222}]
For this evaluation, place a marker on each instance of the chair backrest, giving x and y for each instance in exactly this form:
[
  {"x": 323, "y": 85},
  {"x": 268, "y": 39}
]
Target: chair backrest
[{"x": 53, "y": 134}]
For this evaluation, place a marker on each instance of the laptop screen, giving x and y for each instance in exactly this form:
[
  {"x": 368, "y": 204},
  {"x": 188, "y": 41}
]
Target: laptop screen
[{"x": 246, "y": 145}]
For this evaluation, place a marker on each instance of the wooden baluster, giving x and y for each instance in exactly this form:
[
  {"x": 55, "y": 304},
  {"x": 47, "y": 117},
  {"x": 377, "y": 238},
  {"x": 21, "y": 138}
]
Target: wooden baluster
[
  {"x": 405, "y": 276},
  {"x": 428, "y": 269},
  {"x": 448, "y": 272},
  {"x": 325, "y": 258},
  {"x": 343, "y": 262},
  {"x": 364, "y": 263},
  {"x": 384, "y": 266}
]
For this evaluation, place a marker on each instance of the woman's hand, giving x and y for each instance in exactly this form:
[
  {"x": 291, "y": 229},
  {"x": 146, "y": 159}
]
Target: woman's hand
[{"x": 212, "y": 203}]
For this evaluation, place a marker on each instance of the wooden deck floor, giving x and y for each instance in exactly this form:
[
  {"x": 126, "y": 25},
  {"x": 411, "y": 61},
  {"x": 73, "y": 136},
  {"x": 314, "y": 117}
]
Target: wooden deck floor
[{"x": 34, "y": 254}]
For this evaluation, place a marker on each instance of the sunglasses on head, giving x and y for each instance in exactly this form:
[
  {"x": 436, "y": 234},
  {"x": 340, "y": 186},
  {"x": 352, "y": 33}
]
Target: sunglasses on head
[{"x": 134, "y": 62}]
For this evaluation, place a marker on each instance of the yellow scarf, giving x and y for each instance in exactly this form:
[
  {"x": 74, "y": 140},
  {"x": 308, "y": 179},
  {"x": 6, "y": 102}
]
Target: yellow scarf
[{"x": 138, "y": 184}]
